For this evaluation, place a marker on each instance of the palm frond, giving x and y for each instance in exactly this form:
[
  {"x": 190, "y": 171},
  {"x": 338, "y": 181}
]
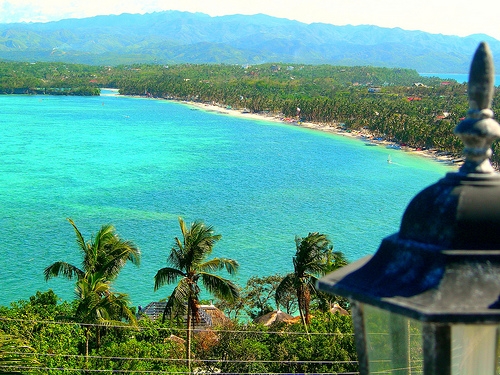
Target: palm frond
[
  {"x": 92, "y": 284},
  {"x": 114, "y": 254},
  {"x": 106, "y": 251},
  {"x": 336, "y": 260},
  {"x": 218, "y": 264},
  {"x": 167, "y": 275},
  {"x": 312, "y": 254},
  {"x": 117, "y": 308},
  {"x": 198, "y": 242},
  {"x": 176, "y": 257},
  {"x": 64, "y": 269},
  {"x": 106, "y": 234},
  {"x": 126, "y": 250},
  {"x": 176, "y": 300},
  {"x": 173, "y": 308},
  {"x": 220, "y": 287},
  {"x": 79, "y": 238},
  {"x": 287, "y": 284},
  {"x": 182, "y": 291},
  {"x": 182, "y": 225},
  {"x": 97, "y": 303}
]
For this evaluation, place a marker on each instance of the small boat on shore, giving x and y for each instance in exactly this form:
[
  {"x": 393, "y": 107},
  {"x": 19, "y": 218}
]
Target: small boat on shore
[{"x": 394, "y": 147}]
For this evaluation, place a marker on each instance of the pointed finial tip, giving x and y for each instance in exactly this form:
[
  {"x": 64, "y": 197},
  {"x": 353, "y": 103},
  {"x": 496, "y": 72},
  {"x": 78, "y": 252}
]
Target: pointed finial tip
[
  {"x": 481, "y": 78},
  {"x": 479, "y": 129}
]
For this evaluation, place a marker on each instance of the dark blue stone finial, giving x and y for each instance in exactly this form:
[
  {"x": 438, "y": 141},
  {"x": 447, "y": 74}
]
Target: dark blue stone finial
[{"x": 478, "y": 130}]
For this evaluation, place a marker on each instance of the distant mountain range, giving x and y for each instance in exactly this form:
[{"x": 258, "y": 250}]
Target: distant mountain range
[{"x": 180, "y": 37}]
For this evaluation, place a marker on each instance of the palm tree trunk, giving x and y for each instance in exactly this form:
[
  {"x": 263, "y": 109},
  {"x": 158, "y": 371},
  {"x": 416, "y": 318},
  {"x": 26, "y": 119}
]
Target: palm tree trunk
[
  {"x": 188, "y": 338},
  {"x": 303, "y": 308},
  {"x": 302, "y": 314},
  {"x": 87, "y": 339},
  {"x": 98, "y": 337},
  {"x": 307, "y": 302},
  {"x": 301, "y": 303}
]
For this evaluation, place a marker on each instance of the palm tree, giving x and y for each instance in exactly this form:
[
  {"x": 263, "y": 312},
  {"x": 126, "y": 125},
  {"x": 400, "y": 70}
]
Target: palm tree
[
  {"x": 106, "y": 253},
  {"x": 103, "y": 257},
  {"x": 326, "y": 301},
  {"x": 189, "y": 265},
  {"x": 99, "y": 305},
  {"x": 310, "y": 261},
  {"x": 335, "y": 260}
]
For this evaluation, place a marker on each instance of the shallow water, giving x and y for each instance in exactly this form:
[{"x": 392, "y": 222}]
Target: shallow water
[{"x": 140, "y": 164}]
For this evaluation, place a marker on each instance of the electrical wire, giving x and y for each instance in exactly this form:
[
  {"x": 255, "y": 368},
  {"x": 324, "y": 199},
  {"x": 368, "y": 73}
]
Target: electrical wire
[
  {"x": 179, "y": 329},
  {"x": 207, "y": 362},
  {"x": 194, "y": 372},
  {"x": 320, "y": 362}
]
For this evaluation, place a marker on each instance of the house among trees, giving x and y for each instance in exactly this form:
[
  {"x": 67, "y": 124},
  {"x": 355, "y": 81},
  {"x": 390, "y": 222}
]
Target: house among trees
[
  {"x": 274, "y": 317},
  {"x": 209, "y": 314},
  {"x": 153, "y": 310}
]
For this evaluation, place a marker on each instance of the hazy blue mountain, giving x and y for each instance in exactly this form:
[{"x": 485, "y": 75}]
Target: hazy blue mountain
[{"x": 182, "y": 37}]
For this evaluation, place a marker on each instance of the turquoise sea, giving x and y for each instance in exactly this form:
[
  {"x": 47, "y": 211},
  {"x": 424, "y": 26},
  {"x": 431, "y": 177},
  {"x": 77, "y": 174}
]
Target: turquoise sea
[{"x": 141, "y": 163}]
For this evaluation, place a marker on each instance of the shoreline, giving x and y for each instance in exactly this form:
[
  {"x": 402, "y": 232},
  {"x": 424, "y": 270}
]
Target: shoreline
[{"x": 365, "y": 136}]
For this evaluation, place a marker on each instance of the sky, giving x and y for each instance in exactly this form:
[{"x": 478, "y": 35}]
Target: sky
[{"x": 449, "y": 17}]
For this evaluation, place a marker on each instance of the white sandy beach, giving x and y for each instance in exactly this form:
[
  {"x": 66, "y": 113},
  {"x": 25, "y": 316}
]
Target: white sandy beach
[{"x": 330, "y": 128}]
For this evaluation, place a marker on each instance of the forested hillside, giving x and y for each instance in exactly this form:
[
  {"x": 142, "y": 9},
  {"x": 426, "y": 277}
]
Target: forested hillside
[
  {"x": 174, "y": 37},
  {"x": 49, "y": 78}
]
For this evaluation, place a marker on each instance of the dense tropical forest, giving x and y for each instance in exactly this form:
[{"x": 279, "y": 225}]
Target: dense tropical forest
[
  {"x": 394, "y": 104},
  {"x": 100, "y": 331}
]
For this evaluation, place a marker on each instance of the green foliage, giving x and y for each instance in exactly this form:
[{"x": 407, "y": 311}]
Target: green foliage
[
  {"x": 239, "y": 352},
  {"x": 313, "y": 258},
  {"x": 259, "y": 296},
  {"x": 55, "y": 342},
  {"x": 15, "y": 355},
  {"x": 104, "y": 256},
  {"x": 140, "y": 355},
  {"x": 49, "y": 78},
  {"x": 328, "y": 347},
  {"x": 188, "y": 257},
  {"x": 326, "y": 94},
  {"x": 58, "y": 344}
]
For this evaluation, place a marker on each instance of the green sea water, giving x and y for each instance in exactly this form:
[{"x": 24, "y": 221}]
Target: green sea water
[{"x": 141, "y": 163}]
